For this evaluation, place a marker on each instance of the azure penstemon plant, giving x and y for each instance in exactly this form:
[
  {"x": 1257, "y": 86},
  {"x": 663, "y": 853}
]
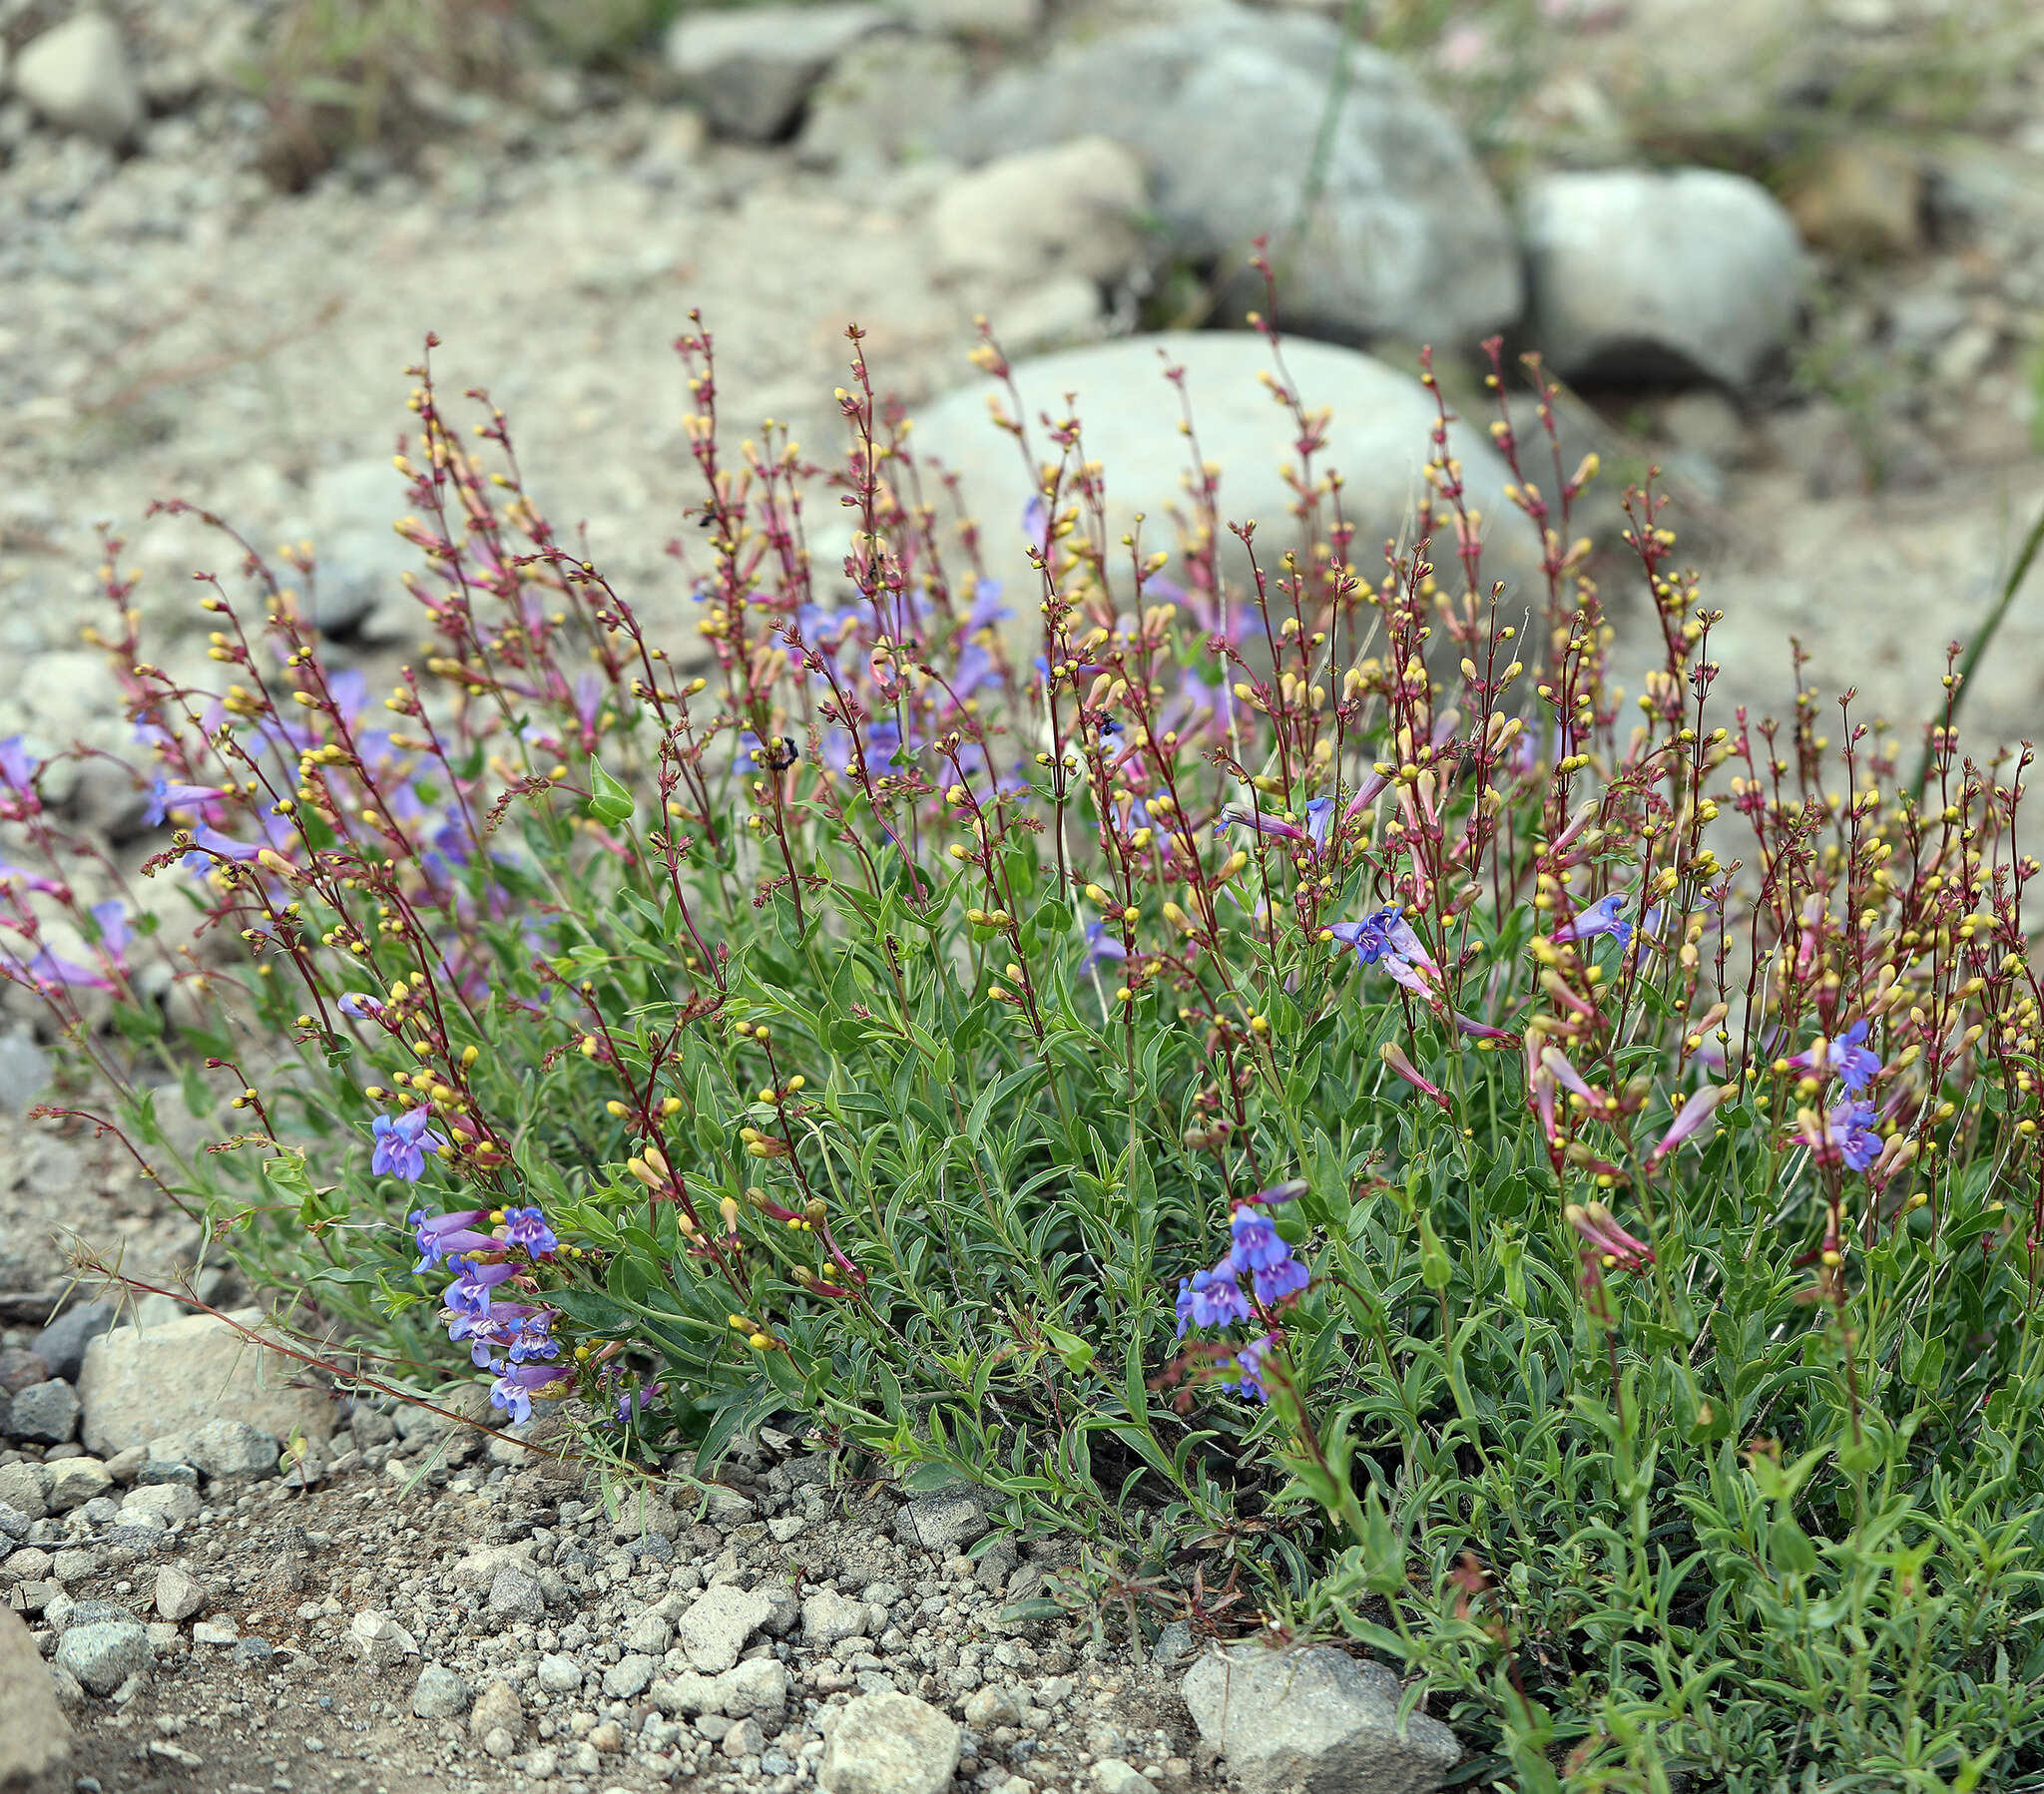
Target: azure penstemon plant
[{"x": 1042, "y": 1009}]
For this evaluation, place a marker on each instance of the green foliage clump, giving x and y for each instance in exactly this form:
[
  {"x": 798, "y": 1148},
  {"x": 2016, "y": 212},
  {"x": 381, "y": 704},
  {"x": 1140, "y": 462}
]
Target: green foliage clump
[{"x": 1266, "y": 1068}]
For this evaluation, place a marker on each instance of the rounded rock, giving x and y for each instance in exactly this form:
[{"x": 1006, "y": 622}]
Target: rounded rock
[
  {"x": 439, "y": 1693},
  {"x": 77, "y": 76},
  {"x": 1643, "y": 275}
]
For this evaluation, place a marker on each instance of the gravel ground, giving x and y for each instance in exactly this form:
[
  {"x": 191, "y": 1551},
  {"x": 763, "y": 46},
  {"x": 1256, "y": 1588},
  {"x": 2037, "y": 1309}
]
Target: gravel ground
[{"x": 434, "y": 1611}]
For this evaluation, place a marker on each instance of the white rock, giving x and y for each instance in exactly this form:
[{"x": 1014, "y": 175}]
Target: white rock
[
  {"x": 1289, "y": 1721},
  {"x": 559, "y": 1675},
  {"x": 1113, "y": 1776},
  {"x": 757, "y": 1686},
  {"x": 717, "y": 1625},
  {"x": 77, "y": 76},
  {"x": 751, "y": 69},
  {"x": 1639, "y": 273},
  {"x": 1224, "y": 105},
  {"x": 830, "y": 1618},
  {"x": 628, "y": 1677},
  {"x": 683, "y": 1696},
  {"x": 1068, "y": 209},
  {"x": 886, "y": 1743},
  {"x": 1377, "y": 440},
  {"x": 380, "y": 1640},
  {"x": 179, "y": 1594},
  {"x": 137, "y": 1384},
  {"x": 651, "y": 1631},
  {"x": 75, "y": 1481},
  {"x": 168, "y": 1501}
]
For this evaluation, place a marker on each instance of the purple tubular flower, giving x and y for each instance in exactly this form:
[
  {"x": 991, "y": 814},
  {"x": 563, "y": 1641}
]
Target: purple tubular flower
[
  {"x": 444, "y": 1236},
  {"x": 1253, "y": 1243},
  {"x": 1605, "y": 916},
  {"x": 1289, "y": 1192},
  {"x": 1100, "y": 945},
  {"x": 166, "y": 797},
  {"x": 527, "y": 1228},
  {"x": 1851, "y": 1127},
  {"x": 1209, "y": 1299},
  {"x": 514, "y": 1390},
  {"x": 402, "y": 1146},
  {"x": 1319, "y": 814},
  {"x": 360, "y": 1005},
  {"x": 467, "y": 1298},
  {"x": 17, "y": 764},
  {"x": 1259, "y": 821},
  {"x": 1275, "y": 1282},
  {"x": 1249, "y": 1368},
  {"x": 46, "y": 966},
  {"x": 115, "y": 932}
]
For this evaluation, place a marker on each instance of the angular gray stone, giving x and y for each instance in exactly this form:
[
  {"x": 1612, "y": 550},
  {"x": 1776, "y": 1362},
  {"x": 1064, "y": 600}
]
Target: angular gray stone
[
  {"x": 757, "y": 1686},
  {"x": 560, "y": 1674},
  {"x": 515, "y": 1594},
  {"x": 830, "y": 1618},
  {"x": 685, "y": 1695},
  {"x": 887, "y": 1743},
  {"x": 1113, "y": 1776},
  {"x": 942, "y": 1525},
  {"x": 34, "y": 1734},
  {"x": 379, "y": 1641},
  {"x": 1644, "y": 274},
  {"x": 168, "y": 1502},
  {"x": 439, "y": 1693},
  {"x": 24, "y": 1487},
  {"x": 179, "y": 1594},
  {"x": 717, "y": 1625},
  {"x": 1377, "y": 440},
  {"x": 61, "y": 1345},
  {"x": 78, "y": 78},
  {"x": 45, "y": 1413},
  {"x": 1224, "y": 105},
  {"x": 651, "y": 1631},
  {"x": 1314, "y": 1721},
  {"x": 629, "y": 1675},
  {"x": 75, "y": 1481},
  {"x": 751, "y": 69},
  {"x": 24, "y": 1066},
  {"x": 232, "y": 1447},
  {"x": 137, "y": 1385},
  {"x": 640, "y": 1513},
  {"x": 1071, "y": 208},
  {"x": 104, "y": 1653}
]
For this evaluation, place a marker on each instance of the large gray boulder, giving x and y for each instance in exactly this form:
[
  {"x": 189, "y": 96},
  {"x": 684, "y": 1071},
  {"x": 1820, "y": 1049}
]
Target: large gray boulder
[
  {"x": 1379, "y": 440},
  {"x": 1223, "y": 106},
  {"x": 142, "y": 1382},
  {"x": 1641, "y": 275},
  {"x": 34, "y": 1734},
  {"x": 1314, "y": 1721}
]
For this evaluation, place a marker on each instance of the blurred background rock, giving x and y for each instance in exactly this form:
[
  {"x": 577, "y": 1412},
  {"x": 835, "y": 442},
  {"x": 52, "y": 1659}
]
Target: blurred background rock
[{"x": 1790, "y": 250}]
